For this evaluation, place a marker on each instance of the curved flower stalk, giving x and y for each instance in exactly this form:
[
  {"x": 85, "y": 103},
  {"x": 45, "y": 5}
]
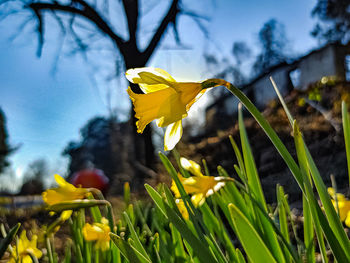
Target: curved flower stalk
[
  {"x": 98, "y": 232},
  {"x": 25, "y": 249},
  {"x": 198, "y": 185},
  {"x": 165, "y": 100},
  {"x": 64, "y": 192},
  {"x": 341, "y": 205}
]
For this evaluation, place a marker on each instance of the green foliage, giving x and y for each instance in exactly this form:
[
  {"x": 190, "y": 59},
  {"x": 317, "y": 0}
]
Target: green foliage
[
  {"x": 234, "y": 224},
  {"x": 7, "y": 238}
]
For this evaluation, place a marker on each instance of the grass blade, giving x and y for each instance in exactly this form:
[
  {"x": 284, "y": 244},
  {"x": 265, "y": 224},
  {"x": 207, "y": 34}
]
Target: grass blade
[
  {"x": 281, "y": 148},
  {"x": 283, "y": 218},
  {"x": 4, "y": 243},
  {"x": 126, "y": 250},
  {"x": 135, "y": 237},
  {"x": 308, "y": 232},
  {"x": 157, "y": 198},
  {"x": 284, "y": 105},
  {"x": 252, "y": 243},
  {"x": 346, "y": 129},
  {"x": 199, "y": 248},
  {"x": 319, "y": 220},
  {"x": 255, "y": 186}
]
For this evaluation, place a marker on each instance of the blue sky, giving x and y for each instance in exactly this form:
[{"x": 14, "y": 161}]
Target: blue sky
[{"x": 45, "y": 110}]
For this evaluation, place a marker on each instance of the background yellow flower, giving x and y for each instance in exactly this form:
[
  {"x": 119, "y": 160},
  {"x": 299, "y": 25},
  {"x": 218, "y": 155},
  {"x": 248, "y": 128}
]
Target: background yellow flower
[
  {"x": 25, "y": 249},
  {"x": 64, "y": 192},
  {"x": 198, "y": 185},
  {"x": 341, "y": 204},
  {"x": 98, "y": 232}
]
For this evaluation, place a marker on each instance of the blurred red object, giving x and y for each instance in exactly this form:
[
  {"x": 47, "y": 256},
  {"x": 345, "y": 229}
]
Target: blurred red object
[{"x": 88, "y": 178}]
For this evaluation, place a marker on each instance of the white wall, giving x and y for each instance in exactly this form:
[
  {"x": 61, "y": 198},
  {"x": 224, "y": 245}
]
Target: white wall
[
  {"x": 263, "y": 89},
  {"x": 316, "y": 65}
]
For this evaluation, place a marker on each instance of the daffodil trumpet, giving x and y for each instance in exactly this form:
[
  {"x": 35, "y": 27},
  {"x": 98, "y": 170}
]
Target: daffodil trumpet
[{"x": 165, "y": 100}]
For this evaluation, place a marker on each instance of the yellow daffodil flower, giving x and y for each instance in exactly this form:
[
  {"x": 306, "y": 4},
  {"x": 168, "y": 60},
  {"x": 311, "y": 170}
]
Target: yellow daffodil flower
[
  {"x": 25, "y": 249},
  {"x": 198, "y": 185},
  {"x": 341, "y": 204},
  {"x": 165, "y": 100},
  {"x": 64, "y": 192},
  {"x": 98, "y": 232}
]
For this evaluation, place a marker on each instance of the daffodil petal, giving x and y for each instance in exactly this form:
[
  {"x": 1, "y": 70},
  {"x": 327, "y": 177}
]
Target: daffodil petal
[
  {"x": 65, "y": 192},
  {"x": 152, "y": 88},
  {"x": 218, "y": 186},
  {"x": 26, "y": 259},
  {"x": 25, "y": 246},
  {"x": 33, "y": 242},
  {"x": 65, "y": 215},
  {"x": 175, "y": 189},
  {"x": 152, "y": 79},
  {"x": 182, "y": 208},
  {"x": 164, "y": 105},
  {"x": 191, "y": 166},
  {"x": 200, "y": 94},
  {"x": 172, "y": 135},
  {"x": 133, "y": 75},
  {"x": 59, "y": 180},
  {"x": 89, "y": 232},
  {"x": 164, "y": 74},
  {"x": 347, "y": 220},
  {"x": 98, "y": 232},
  {"x": 197, "y": 199}
]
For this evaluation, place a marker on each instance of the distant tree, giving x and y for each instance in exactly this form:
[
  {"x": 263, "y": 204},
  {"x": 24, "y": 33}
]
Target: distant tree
[
  {"x": 227, "y": 69},
  {"x": 37, "y": 169},
  {"x": 103, "y": 143},
  {"x": 273, "y": 42},
  {"x": 112, "y": 27},
  {"x": 5, "y": 148},
  {"x": 34, "y": 177},
  {"x": 240, "y": 52},
  {"x": 334, "y": 20}
]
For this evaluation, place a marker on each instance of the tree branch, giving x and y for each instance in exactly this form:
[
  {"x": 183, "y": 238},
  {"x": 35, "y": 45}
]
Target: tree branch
[
  {"x": 40, "y": 32},
  {"x": 131, "y": 8},
  {"x": 87, "y": 11},
  {"x": 169, "y": 18}
]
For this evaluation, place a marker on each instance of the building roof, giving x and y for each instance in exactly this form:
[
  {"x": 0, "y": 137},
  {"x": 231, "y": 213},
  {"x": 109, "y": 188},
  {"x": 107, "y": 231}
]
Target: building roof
[{"x": 291, "y": 64}]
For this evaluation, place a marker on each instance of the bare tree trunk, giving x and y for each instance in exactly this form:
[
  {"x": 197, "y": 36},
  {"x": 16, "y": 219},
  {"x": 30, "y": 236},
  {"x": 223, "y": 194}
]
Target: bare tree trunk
[
  {"x": 142, "y": 145},
  {"x": 132, "y": 55}
]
